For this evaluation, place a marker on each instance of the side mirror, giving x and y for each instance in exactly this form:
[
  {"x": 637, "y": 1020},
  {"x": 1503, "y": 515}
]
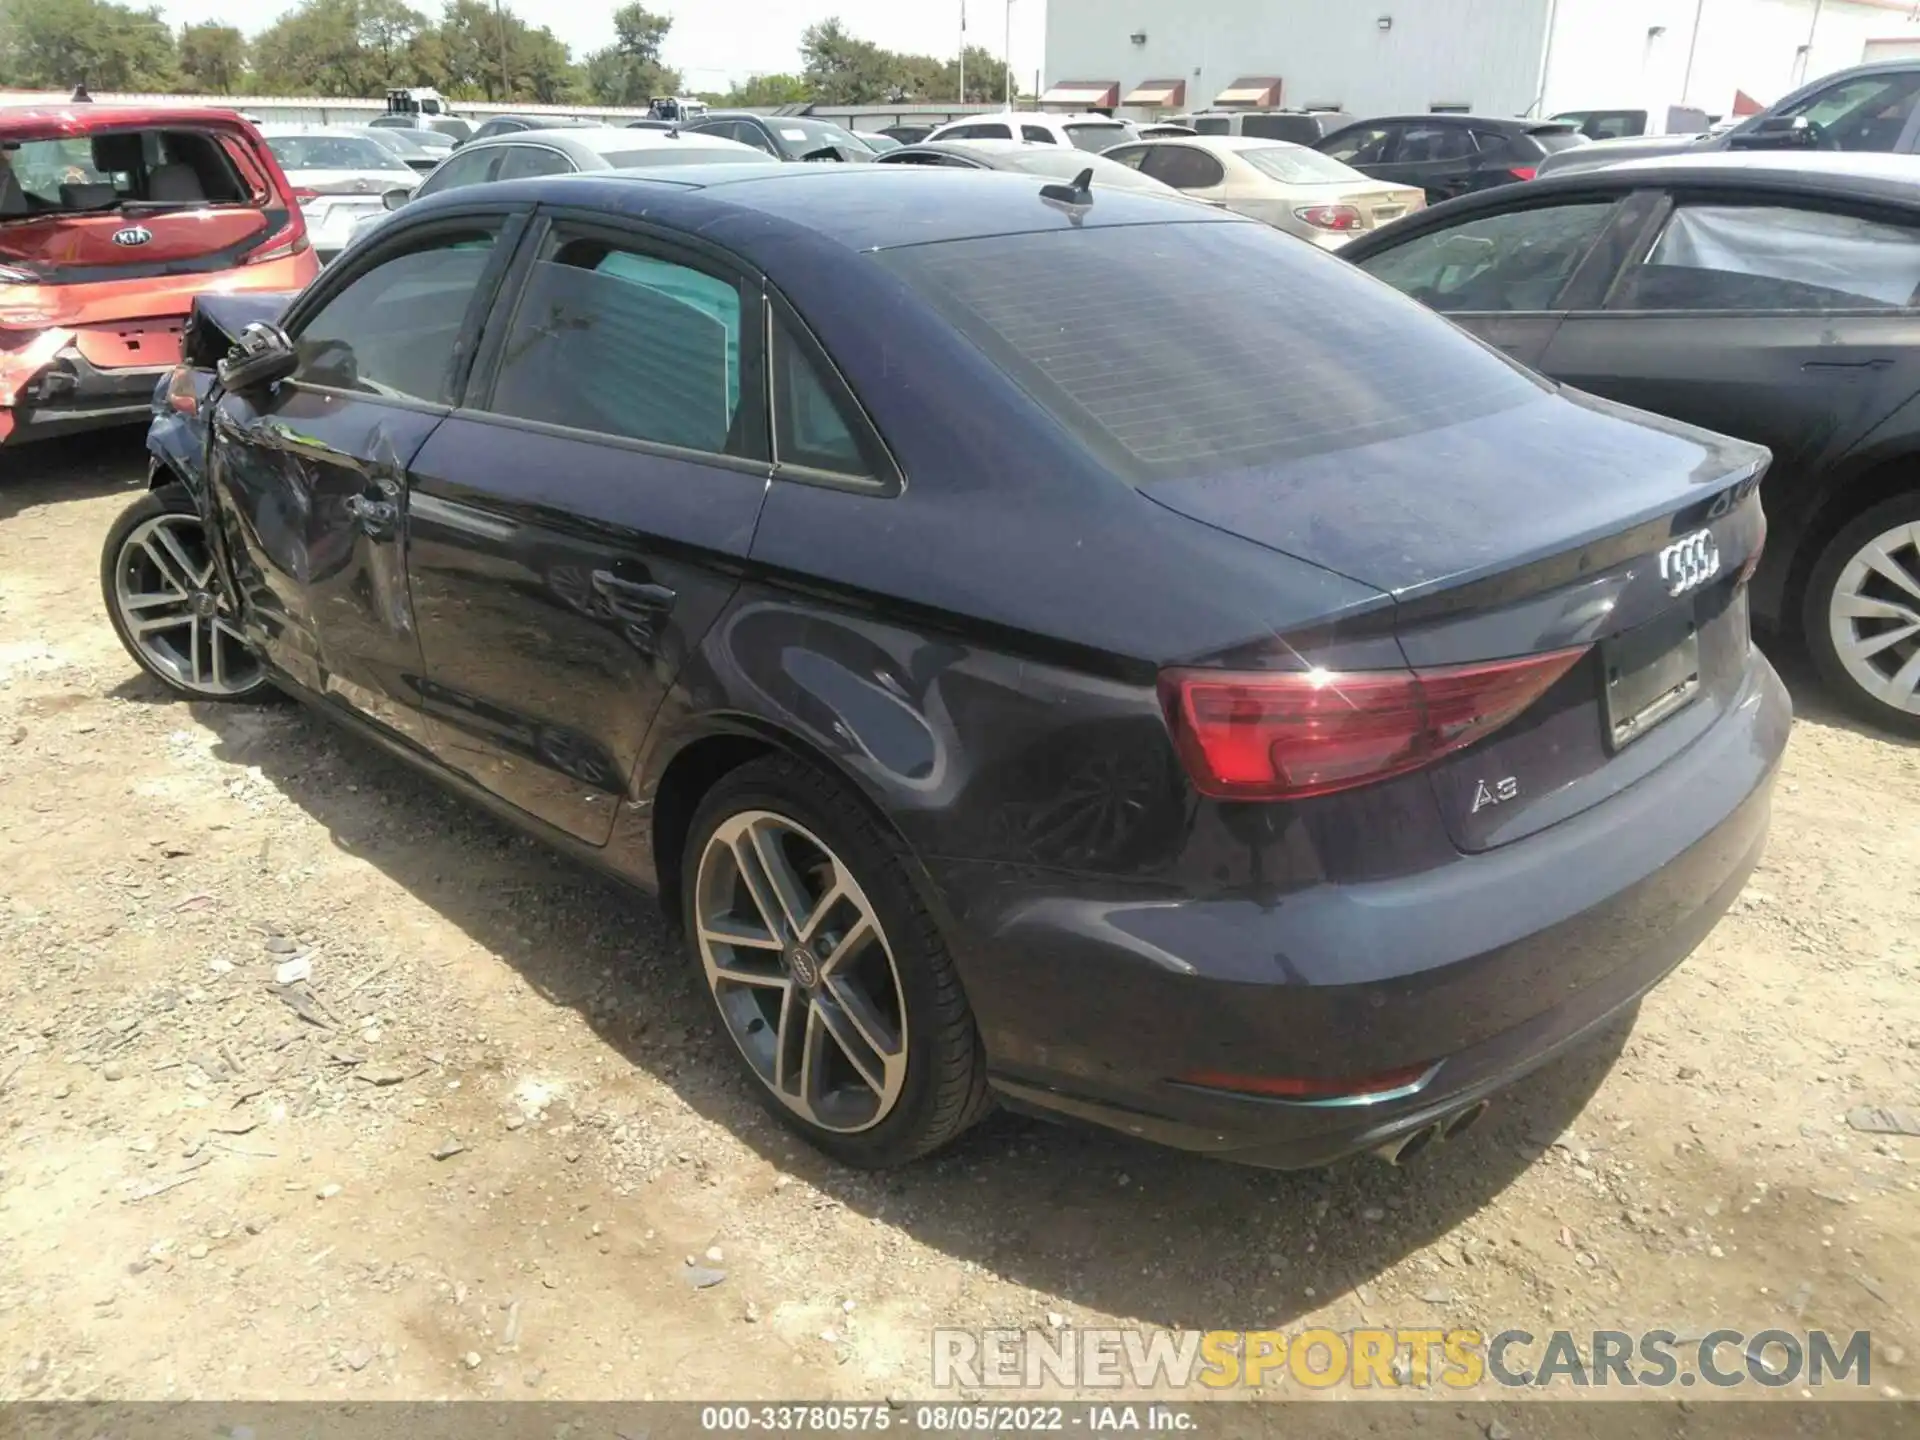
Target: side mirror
[
  {"x": 1778, "y": 132},
  {"x": 396, "y": 197},
  {"x": 259, "y": 360}
]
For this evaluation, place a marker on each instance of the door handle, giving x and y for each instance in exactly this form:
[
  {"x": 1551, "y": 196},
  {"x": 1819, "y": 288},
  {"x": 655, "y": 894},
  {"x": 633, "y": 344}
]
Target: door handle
[{"x": 633, "y": 599}]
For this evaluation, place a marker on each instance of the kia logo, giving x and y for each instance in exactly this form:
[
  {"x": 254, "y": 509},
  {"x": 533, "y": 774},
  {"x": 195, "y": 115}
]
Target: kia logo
[{"x": 132, "y": 235}]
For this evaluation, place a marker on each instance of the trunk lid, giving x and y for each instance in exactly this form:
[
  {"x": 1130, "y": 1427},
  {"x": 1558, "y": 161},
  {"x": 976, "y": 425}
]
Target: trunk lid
[{"x": 1564, "y": 523}]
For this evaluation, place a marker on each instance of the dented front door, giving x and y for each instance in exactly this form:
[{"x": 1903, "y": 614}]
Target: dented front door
[{"x": 314, "y": 488}]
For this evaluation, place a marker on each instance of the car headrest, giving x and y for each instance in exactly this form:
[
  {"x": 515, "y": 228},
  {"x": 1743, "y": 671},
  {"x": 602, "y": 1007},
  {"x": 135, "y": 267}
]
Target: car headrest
[
  {"x": 175, "y": 183},
  {"x": 87, "y": 197}
]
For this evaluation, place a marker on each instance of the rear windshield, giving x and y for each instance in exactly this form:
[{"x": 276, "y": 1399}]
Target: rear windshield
[
  {"x": 113, "y": 169},
  {"x": 683, "y": 154},
  {"x": 333, "y": 152},
  {"x": 1294, "y": 165},
  {"x": 1552, "y": 140},
  {"x": 1180, "y": 349},
  {"x": 1097, "y": 137}
]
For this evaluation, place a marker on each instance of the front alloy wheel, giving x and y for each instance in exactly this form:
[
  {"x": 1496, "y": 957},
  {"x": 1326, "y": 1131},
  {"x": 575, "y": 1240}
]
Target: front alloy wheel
[
  {"x": 157, "y": 578},
  {"x": 1862, "y": 615}
]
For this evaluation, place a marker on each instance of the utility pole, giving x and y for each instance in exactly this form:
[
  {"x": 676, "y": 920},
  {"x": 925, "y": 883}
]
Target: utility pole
[
  {"x": 1693, "y": 45},
  {"x": 1006, "y": 55},
  {"x": 500, "y": 20},
  {"x": 963, "y": 52}
]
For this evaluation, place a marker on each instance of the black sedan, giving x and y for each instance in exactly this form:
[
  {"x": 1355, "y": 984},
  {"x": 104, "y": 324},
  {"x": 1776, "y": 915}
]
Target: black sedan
[
  {"x": 1065, "y": 645},
  {"x": 785, "y": 137},
  {"x": 1767, "y": 296},
  {"x": 1449, "y": 155}
]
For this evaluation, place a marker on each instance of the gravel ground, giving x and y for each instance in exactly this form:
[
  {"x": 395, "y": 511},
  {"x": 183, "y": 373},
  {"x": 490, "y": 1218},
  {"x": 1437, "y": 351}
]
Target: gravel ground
[{"x": 491, "y": 1145}]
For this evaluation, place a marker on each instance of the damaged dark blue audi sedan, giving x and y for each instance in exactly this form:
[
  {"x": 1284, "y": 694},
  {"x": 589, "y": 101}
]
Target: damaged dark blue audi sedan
[{"x": 1044, "y": 644}]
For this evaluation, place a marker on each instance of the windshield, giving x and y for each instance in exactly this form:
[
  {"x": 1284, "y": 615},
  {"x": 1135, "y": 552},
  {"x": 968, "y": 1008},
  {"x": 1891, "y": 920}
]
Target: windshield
[
  {"x": 1296, "y": 165},
  {"x": 1097, "y": 137},
  {"x": 797, "y": 136},
  {"x": 332, "y": 152},
  {"x": 1179, "y": 349}
]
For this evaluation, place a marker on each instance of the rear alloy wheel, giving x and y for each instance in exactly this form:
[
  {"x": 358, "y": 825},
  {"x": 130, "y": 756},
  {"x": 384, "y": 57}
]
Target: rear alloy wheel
[
  {"x": 826, "y": 969},
  {"x": 1862, "y": 615},
  {"x": 157, "y": 577}
]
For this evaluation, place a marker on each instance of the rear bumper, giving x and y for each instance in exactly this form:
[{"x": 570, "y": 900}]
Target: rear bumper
[
  {"x": 1092, "y": 1003},
  {"x": 68, "y": 394}
]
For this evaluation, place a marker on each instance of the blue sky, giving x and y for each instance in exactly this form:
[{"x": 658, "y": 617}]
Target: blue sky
[{"x": 717, "y": 40}]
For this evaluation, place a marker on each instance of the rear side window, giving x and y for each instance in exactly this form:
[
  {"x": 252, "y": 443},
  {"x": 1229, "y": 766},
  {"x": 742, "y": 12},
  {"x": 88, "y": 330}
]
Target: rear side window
[
  {"x": 1181, "y": 349},
  {"x": 1299, "y": 129},
  {"x": 618, "y": 342},
  {"x": 1728, "y": 257},
  {"x": 813, "y": 424},
  {"x": 1424, "y": 144},
  {"x": 1096, "y": 137},
  {"x": 982, "y": 131},
  {"x": 1038, "y": 134},
  {"x": 1182, "y": 166},
  {"x": 523, "y": 162},
  {"x": 1213, "y": 124},
  {"x": 394, "y": 330},
  {"x": 1517, "y": 261}
]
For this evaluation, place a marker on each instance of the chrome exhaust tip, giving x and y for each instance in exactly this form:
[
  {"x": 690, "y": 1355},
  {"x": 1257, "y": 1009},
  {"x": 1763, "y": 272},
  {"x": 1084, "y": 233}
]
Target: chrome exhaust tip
[
  {"x": 1458, "y": 1125},
  {"x": 1403, "y": 1148}
]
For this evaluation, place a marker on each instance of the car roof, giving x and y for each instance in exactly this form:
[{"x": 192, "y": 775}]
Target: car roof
[
  {"x": 1074, "y": 117},
  {"x": 761, "y": 210},
  {"x": 601, "y": 140},
  {"x": 1495, "y": 122},
  {"x": 16, "y": 121},
  {"x": 1234, "y": 144},
  {"x": 1856, "y": 174}
]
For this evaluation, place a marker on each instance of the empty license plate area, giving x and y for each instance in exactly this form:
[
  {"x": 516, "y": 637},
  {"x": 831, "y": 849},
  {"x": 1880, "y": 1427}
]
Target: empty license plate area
[{"x": 1652, "y": 672}]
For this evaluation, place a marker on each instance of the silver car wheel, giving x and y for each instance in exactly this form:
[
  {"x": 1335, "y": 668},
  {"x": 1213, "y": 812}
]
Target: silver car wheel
[
  {"x": 1874, "y": 618},
  {"x": 170, "y": 609},
  {"x": 802, "y": 971}
]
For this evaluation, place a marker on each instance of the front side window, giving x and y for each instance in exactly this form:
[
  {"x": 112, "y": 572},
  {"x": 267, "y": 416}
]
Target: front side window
[
  {"x": 1870, "y": 113},
  {"x": 475, "y": 167},
  {"x": 1517, "y": 261},
  {"x": 981, "y": 131},
  {"x": 615, "y": 341},
  {"x": 395, "y": 330},
  {"x": 1038, "y": 134},
  {"x": 1360, "y": 145},
  {"x": 1761, "y": 257}
]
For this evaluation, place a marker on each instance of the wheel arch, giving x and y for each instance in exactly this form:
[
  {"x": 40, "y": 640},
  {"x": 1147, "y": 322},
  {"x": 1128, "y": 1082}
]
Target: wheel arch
[
  {"x": 1885, "y": 478},
  {"x": 702, "y": 756}
]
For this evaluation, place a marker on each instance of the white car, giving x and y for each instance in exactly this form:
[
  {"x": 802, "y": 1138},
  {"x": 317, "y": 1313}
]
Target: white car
[
  {"x": 1093, "y": 132},
  {"x": 339, "y": 179}
]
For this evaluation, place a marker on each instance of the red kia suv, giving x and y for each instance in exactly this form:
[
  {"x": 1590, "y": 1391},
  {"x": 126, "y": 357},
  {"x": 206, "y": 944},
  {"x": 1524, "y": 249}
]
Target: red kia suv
[{"x": 112, "y": 218}]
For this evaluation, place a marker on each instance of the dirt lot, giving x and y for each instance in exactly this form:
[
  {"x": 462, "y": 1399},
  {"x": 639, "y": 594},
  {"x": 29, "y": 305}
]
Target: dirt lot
[{"x": 206, "y": 1192}]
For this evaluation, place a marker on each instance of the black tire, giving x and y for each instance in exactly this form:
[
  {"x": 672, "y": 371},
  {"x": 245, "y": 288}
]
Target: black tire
[
  {"x": 1817, "y": 606},
  {"x": 945, "y": 1091},
  {"x": 171, "y": 499}
]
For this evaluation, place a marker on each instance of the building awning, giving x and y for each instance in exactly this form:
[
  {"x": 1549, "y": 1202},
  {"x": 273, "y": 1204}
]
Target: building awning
[
  {"x": 1083, "y": 94},
  {"x": 1158, "y": 94},
  {"x": 1262, "y": 92}
]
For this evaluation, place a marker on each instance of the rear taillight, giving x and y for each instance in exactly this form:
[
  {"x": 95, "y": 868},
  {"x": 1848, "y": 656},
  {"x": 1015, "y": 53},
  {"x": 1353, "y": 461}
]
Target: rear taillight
[
  {"x": 181, "y": 397},
  {"x": 1290, "y": 735},
  {"x": 288, "y": 240},
  {"x": 1522, "y": 172},
  {"x": 1330, "y": 217}
]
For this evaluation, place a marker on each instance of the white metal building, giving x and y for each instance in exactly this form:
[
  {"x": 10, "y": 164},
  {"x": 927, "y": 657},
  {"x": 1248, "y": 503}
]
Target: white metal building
[{"x": 1495, "y": 57}]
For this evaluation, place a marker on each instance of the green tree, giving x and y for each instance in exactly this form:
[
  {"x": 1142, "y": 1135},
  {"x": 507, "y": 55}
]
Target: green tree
[
  {"x": 630, "y": 71},
  {"x": 213, "y": 58},
  {"x": 842, "y": 69},
  {"x": 986, "y": 77},
  {"x": 337, "y": 47},
  {"x": 54, "y": 44},
  {"x": 766, "y": 90}
]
